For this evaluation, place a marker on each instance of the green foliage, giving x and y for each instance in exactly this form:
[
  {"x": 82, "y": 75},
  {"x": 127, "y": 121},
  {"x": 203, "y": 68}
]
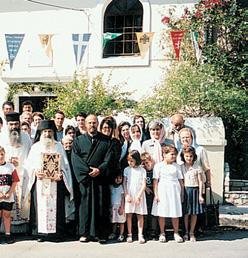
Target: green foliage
[
  {"x": 216, "y": 87},
  {"x": 195, "y": 91},
  {"x": 81, "y": 95}
]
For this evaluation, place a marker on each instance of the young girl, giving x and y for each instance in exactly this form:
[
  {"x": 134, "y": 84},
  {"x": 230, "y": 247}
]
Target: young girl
[
  {"x": 136, "y": 136},
  {"x": 193, "y": 189},
  {"x": 117, "y": 208},
  {"x": 135, "y": 199},
  {"x": 8, "y": 181},
  {"x": 168, "y": 191}
]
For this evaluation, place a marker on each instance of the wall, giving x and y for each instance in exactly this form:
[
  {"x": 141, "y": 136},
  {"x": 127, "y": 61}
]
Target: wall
[{"x": 137, "y": 75}]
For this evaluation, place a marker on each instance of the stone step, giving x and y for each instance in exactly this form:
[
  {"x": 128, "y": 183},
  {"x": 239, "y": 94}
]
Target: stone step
[{"x": 233, "y": 216}]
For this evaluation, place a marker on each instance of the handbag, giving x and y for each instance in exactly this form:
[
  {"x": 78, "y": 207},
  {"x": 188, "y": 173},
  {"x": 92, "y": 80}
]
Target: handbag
[{"x": 211, "y": 211}]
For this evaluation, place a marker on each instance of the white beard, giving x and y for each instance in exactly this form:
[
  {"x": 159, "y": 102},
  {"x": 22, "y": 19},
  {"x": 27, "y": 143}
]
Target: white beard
[{"x": 15, "y": 138}]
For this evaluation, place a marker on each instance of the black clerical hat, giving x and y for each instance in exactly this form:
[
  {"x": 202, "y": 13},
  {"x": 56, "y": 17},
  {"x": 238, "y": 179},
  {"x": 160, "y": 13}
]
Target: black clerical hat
[
  {"x": 47, "y": 124},
  {"x": 12, "y": 116}
]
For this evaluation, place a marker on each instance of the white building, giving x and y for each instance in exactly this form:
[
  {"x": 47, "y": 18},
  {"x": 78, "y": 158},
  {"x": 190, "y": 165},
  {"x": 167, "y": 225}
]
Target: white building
[{"x": 60, "y": 18}]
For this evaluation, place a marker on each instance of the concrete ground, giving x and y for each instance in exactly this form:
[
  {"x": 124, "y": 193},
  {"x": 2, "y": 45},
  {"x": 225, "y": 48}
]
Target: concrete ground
[{"x": 222, "y": 243}]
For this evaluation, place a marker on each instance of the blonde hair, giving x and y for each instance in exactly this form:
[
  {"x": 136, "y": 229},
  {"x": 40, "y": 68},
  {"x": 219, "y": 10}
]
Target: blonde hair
[{"x": 145, "y": 156}]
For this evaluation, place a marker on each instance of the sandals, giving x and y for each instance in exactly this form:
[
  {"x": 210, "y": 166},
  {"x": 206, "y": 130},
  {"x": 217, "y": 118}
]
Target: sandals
[
  {"x": 141, "y": 239},
  {"x": 120, "y": 238},
  {"x": 162, "y": 238},
  {"x": 129, "y": 238},
  {"x": 192, "y": 237},
  {"x": 186, "y": 237},
  {"x": 177, "y": 238}
]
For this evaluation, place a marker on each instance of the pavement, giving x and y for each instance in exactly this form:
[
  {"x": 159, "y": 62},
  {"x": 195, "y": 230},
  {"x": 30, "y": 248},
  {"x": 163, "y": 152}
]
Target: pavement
[{"x": 218, "y": 243}]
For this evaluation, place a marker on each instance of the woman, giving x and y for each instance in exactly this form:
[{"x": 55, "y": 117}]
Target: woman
[
  {"x": 125, "y": 140},
  {"x": 153, "y": 146}
]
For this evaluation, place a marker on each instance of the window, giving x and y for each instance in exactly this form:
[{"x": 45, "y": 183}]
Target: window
[{"x": 124, "y": 17}]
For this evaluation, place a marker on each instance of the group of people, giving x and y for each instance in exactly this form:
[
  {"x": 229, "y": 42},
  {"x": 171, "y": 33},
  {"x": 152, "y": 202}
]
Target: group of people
[{"x": 88, "y": 180}]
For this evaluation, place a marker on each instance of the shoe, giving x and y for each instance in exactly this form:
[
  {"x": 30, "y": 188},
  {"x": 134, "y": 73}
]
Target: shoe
[
  {"x": 112, "y": 236},
  {"x": 162, "y": 238},
  {"x": 177, "y": 238},
  {"x": 186, "y": 237},
  {"x": 83, "y": 239},
  {"x": 102, "y": 241},
  {"x": 129, "y": 238},
  {"x": 40, "y": 240},
  {"x": 9, "y": 239},
  {"x": 192, "y": 237},
  {"x": 141, "y": 239},
  {"x": 120, "y": 238}
]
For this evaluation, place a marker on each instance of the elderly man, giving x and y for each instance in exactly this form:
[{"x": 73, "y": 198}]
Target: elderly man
[
  {"x": 50, "y": 182},
  {"x": 91, "y": 154},
  {"x": 172, "y": 133},
  {"x": 17, "y": 145}
]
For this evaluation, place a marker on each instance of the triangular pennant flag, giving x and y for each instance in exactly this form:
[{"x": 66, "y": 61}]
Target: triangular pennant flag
[
  {"x": 197, "y": 45},
  {"x": 144, "y": 40},
  {"x": 46, "y": 42},
  {"x": 177, "y": 36},
  {"x": 109, "y": 36},
  {"x": 80, "y": 42},
  {"x": 13, "y": 42}
]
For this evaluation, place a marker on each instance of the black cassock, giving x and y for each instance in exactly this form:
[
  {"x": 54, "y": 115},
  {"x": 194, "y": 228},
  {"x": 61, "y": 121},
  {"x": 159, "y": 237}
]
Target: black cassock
[{"x": 94, "y": 203}]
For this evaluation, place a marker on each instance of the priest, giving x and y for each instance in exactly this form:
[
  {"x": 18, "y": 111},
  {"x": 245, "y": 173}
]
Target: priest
[
  {"x": 91, "y": 154},
  {"x": 50, "y": 184}
]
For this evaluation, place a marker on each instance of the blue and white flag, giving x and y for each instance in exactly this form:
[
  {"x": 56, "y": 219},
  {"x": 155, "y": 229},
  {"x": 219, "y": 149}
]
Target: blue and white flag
[
  {"x": 80, "y": 42},
  {"x": 13, "y": 42}
]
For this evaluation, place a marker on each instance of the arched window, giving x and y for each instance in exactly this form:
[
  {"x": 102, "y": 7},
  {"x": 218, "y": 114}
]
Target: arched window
[{"x": 125, "y": 17}]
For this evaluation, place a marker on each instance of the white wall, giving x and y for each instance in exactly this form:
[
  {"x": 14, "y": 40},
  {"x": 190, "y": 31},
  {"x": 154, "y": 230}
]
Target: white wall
[{"x": 137, "y": 74}]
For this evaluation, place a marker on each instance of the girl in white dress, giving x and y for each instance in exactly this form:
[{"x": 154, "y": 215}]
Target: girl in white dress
[
  {"x": 135, "y": 199},
  {"x": 168, "y": 191}
]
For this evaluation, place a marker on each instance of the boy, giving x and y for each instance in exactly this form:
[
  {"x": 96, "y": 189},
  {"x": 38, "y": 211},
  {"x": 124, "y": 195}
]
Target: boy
[
  {"x": 150, "y": 223},
  {"x": 8, "y": 181}
]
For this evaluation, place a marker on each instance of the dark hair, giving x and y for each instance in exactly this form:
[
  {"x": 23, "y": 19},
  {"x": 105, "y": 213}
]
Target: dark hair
[
  {"x": 120, "y": 128},
  {"x": 80, "y": 114},
  {"x": 9, "y": 103},
  {"x": 68, "y": 128},
  {"x": 108, "y": 122},
  {"x": 139, "y": 116},
  {"x": 188, "y": 150},
  {"x": 25, "y": 123},
  {"x": 134, "y": 154},
  {"x": 59, "y": 112},
  {"x": 26, "y": 103},
  {"x": 166, "y": 148}
]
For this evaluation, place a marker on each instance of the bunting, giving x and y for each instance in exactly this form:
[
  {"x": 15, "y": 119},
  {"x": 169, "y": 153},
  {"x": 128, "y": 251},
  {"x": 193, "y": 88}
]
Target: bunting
[
  {"x": 46, "y": 43},
  {"x": 13, "y": 42},
  {"x": 109, "y": 36},
  {"x": 177, "y": 36},
  {"x": 80, "y": 43},
  {"x": 144, "y": 40}
]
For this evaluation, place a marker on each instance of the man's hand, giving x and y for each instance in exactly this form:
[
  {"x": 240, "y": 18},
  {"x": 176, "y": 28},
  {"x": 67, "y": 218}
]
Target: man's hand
[{"x": 94, "y": 172}]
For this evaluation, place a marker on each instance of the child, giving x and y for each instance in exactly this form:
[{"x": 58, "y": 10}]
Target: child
[
  {"x": 8, "y": 181},
  {"x": 117, "y": 208},
  {"x": 168, "y": 190},
  {"x": 136, "y": 136},
  {"x": 193, "y": 189},
  {"x": 135, "y": 199},
  {"x": 150, "y": 223}
]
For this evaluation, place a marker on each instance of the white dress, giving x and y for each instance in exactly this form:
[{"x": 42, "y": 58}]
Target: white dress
[
  {"x": 135, "y": 178},
  {"x": 169, "y": 190},
  {"x": 116, "y": 198}
]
